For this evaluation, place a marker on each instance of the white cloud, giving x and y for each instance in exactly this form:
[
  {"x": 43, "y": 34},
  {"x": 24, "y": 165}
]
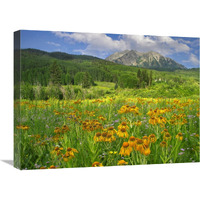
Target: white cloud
[
  {"x": 102, "y": 45},
  {"x": 54, "y": 44},
  {"x": 194, "y": 59}
]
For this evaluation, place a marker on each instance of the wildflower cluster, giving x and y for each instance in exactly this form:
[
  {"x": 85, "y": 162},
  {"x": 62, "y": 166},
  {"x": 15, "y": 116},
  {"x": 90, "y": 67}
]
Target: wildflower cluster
[
  {"x": 89, "y": 113},
  {"x": 138, "y": 145},
  {"x": 78, "y": 101},
  {"x": 91, "y": 125},
  {"x": 156, "y": 112},
  {"x": 23, "y": 127},
  {"x": 164, "y": 131},
  {"x": 63, "y": 129},
  {"x": 154, "y": 120},
  {"x": 122, "y": 130},
  {"x": 106, "y": 136},
  {"x": 62, "y": 154},
  {"x": 97, "y": 101},
  {"x": 129, "y": 109},
  {"x": 178, "y": 119}
]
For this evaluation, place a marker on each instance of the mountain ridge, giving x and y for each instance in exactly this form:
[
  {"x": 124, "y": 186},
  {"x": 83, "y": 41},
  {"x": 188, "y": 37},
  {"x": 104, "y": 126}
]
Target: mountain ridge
[
  {"x": 58, "y": 54},
  {"x": 150, "y": 60}
]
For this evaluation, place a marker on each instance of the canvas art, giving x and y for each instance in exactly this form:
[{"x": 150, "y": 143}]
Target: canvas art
[{"x": 97, "y": 100}]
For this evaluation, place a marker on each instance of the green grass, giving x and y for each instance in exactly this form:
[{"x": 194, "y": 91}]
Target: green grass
[{"x": 35, "y": 147}]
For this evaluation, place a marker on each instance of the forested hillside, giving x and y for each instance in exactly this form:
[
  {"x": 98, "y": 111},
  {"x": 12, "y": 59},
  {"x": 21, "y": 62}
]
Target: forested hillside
[{"x": 40, "y": 68}]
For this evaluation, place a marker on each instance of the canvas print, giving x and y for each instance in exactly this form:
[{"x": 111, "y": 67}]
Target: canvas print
[{"x": 96, "y": 100}]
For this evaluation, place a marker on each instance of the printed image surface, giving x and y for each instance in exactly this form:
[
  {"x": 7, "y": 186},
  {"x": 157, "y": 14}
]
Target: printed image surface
[{"x": 94, "y": 100}]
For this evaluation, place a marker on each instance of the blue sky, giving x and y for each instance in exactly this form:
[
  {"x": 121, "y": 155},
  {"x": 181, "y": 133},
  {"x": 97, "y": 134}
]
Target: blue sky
[{"x": 183, "y": 50}]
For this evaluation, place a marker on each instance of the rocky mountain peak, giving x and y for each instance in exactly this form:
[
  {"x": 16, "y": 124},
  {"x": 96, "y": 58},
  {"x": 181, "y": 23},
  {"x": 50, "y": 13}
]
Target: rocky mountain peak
[{"x": 151, "y": 60}]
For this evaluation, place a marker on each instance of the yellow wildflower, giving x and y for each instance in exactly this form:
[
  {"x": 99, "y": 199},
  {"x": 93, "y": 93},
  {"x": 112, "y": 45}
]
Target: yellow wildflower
[
  {"x": 152, "y": 138},
  {"x": 97, "y": 164},
  {"x": 163, "y": 144},
  {"x": 179, "y": 136},
  {"x": 122, "y": 162},
  {"x": 122, "y": 133},
  {"x": 167, "y": 137},
  {"x": 126, "y": 149}
]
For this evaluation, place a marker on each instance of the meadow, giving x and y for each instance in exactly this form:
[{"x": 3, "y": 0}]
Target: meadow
[
  {"x": 82, "y": 111},
  {"x": 108, "y": 131}
]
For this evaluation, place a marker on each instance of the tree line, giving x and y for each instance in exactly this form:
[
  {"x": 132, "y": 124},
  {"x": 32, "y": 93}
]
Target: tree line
[
  {"x": 85, "y": 76},
  {"x": 55, "y": 77}
]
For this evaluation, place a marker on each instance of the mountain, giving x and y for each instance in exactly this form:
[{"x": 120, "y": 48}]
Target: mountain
[
  {"x": 57, "y": 55},
  {"x": 150, "y": 60}
]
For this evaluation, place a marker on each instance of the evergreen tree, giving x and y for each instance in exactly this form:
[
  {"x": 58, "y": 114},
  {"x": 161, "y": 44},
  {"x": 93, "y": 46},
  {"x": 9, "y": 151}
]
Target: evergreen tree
[
  {"x": 138, "y": 74},
  {"x": 150, "y": 78},
  {"x": 68, "y": 79},
  {"x": 87, "y": 80},
  {"x": 78, "y": 78},
  {"x": 55, "y": 74}
]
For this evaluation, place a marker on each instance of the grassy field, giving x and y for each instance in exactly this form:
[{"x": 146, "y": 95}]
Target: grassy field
[{"x": 116, "y": 129}]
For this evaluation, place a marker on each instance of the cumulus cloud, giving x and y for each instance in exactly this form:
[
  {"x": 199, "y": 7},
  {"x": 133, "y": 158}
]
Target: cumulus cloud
[
  {"x": 194, "y": 59},
  {"x": 102, "y": 45},
  {"x": 97, "y": 44},
  {"x": 54, "y": 44}
]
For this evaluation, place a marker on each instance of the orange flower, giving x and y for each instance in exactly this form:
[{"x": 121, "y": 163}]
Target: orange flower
[
  {"x": 23, "y": 127},
  {"x": 123, "y": 125},
  {"x": 128, "y": 109},
  {"x": 163, "y": 144},
  {"x": 98, "y": 137},
  {"x": 97, "y": 164},
  {"x": 146, "y": 150},
  {"x": 126, "y": 149},
  {"x": 57, "y": 150},
  {"x": 52, "y": 167},
  {"x": 65, "y": 128},
  {"x": 110, "y": 138},
  {"x": 57, "y": 130},
  {"x": 111, "y": 130},
  {"x": 122, "y": 162},
  {"x": 167, "y": 137},
  {"x": 132, "y": 141},
  {"x": 153, "y": 121},
  {"x": 66, "y": 156},
  {"x": 102, "y": 118},
  {"x": 104, "y": 135},
  {"x": 139, "y": 145},
  {"x": 152, "y": 138},
  {"x": 70, "y": 152},
  {"x": 122, "y": 133},
  {"x": 145, "y": 140}
]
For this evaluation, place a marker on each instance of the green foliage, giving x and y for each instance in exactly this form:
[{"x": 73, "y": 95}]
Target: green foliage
[
  {"x": 55, "y": 74},
  {"x": 78, "y": 78},
  {"x": 53, "y": 91},
  {"x": 84, "y": 79},
  {"x": 144, "y": 79},
  {"x": 35, "y": 146},
  {"x": 27, "y": 91},
  {"x": 37, "y": 70},
  {"x": 68, "y": 79},
  {"x": 128, "y": 81},
  {"x": 87, "y": 80}
]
